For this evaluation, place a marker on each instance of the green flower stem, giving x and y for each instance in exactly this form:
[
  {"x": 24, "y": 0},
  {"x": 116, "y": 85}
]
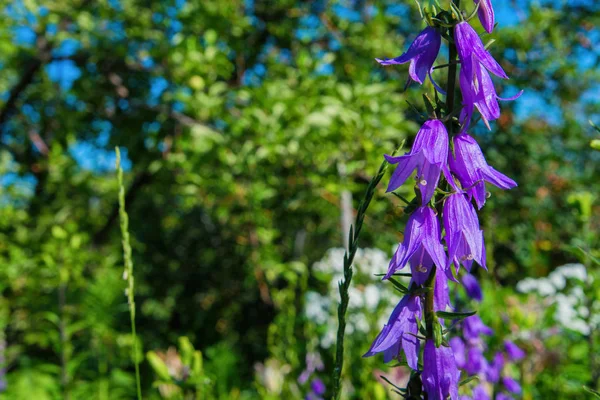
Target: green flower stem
[
  {"x": 124, "y": 220},
  {"x": 345, "y": 284}
]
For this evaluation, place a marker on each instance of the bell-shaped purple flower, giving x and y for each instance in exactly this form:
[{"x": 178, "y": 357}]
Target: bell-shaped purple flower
[
  {"x": 513, "y": 351},
  {"x": 486, "y": 14},
  {"x": 463, "y": 236},
  {"x": 476, "y": 361},
  {"x": 495, "y": 368},
  {"x": 428, "y": 155},
  {"x": 318, "y": 387},
  {"x": 479, "y": 91},
  {"x": 421, "y": 54},
  {"x": 399, "y": 332},
  {"x": 511, "y": 385},
  {"x": 472, "y": 52},
  {"x": 472, "y": 287},
  {"x": 440, "y": 375},
  {"x": 421, "y": 246},
  {"x": 503, "y": 396},
  {"x": 479, "y": 393},
  {"x": 459, "y": 350},
  {"x": 473, "y": 327},
  {"x": 472, "y": 170},
  {"x": 441, "y": 293}
]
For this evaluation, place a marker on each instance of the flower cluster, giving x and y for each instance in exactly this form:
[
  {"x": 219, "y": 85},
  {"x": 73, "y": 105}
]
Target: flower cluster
[
  {"x": 443, "y": 232},
  {"x": 469, "y": 356}
]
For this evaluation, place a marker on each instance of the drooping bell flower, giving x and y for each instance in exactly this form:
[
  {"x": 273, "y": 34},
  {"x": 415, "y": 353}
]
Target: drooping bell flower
[
  {"x": 495, "y": 368},
  {"x": 421, "y": 246},
  {"x": 440, "y": 375},
  {"x": 421, "y": 54},
  {"x": 479, "y": 91},
  {"x": 441, "y": 293},
  {"x": 486, "y": 14},
  {"x": 472, "y": 52},
  {"x": 473, "y": 328},
  {"x": 472, "y": 287},
  {"x": 318, "y": 387},
  {"x": 476, "y": 361},
  {"x": 399, "y": 332},
  {"x": 479, "y": 393},
  {"x": 458, "y": 348},
  {"x": 428, "y": 155},
  {"x": 511, "y": 385},
  {"x": 503, "y": 396},
  {"x": 471, "y": 169},
  {"x": 513, "y": 351},
  {"x": 463, "y": 236}
]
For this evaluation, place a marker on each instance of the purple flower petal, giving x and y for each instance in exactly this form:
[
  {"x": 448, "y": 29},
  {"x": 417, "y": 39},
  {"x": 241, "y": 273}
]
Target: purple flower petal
[
  {"x": 440, "y": 375},
  {"x": 472, "y": 170},
  {"x": 476, "y": 362},
  {"x": 472, "y": 287},
  {"x": 318, "y": 387},
  {"x": 427, "y": 155},
  {"x": 421, "y": 246},
  {"x": 503, "y": 396},
  {"x": 470, "y": 49},
  {"x": 458, "y": 348},
  {"x": 400, "y": 331},
  {"x": 473, "y": 327},
  {"x": 479, "y": 393},
  {"x": 486, "y": 14},
  {"x": 463, "y": 236},
  {"x": 495, "y": 368},
  {"x": 513, "y": 351},
  {"x": 511, "y": 385},
  {"x": 421, "y": 54}
]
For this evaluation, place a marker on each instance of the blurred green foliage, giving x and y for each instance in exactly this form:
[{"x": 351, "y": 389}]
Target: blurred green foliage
[{"x": 244, "y": 121}]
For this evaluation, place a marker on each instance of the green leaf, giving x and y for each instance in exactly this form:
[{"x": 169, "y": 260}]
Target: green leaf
[
  {"x": 467, "y": 380},
  {"x": 454, "y": 315},
  {"x": 398, "y": 286}
]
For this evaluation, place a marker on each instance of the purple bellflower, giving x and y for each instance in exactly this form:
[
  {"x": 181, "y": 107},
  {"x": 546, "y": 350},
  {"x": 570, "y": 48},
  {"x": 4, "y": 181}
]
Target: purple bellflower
[
  {"x": 458, "y": 348},
  {"x": 472, "y": 287},
  {"x": 503, "y": 396},
  {"x": 511, "y": 385},
  {"x": 463, "y": 236},
  {"x": 495, "y": 368},
  {"x": 318, "y": 387},
  {"x": 421, "y": 246},
  {"x": 421, "y": 54},
  {"x": 479, "y": 393},
  {"x": 441, "y": 293},
  {"x": 486, "y": 14},
  {"x": 476, "y": 361},
  {"x": 428, "y": 155},
  {"x": 473, "y": 327},
  {"x": 440, "y": 375},
  {"x": 479, "y": 91},
  {"x": 472, "y": 52},
  {"x": 513, "y": 351},
  {"x": 472, "y": 170},
  {"x": 399, "y": 331}
]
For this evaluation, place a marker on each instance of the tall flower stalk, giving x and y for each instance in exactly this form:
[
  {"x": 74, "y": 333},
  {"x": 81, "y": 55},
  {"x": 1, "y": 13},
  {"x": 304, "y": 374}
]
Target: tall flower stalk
[
  {"x": 443, "y": 232},
  {"x": 128, "y": 272}
]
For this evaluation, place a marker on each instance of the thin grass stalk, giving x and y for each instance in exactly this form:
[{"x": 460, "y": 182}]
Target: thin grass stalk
[{"x": 124, "y": 222}]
